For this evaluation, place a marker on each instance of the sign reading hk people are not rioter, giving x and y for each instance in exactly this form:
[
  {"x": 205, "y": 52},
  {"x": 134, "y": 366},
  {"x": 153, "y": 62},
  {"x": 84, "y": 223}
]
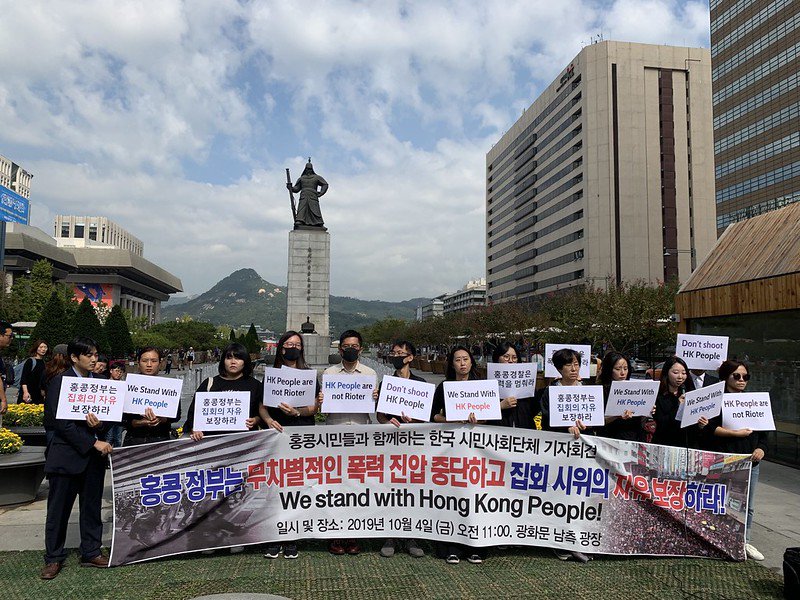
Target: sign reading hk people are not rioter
[
  {"x": 295, "y": 387},
  {"x": 80, "y": 396},
  {"x": 747, "y": 411},
  {"x": 348, "y": 393}
]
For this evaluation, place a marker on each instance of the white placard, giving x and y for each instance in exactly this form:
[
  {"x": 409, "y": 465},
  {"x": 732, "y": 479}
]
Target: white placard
[
  {"x": 295, "y": 387},
  {"x": 747, "y": 411},
  {"x": 348, "y": 393},
  {"x": 570, "y": 403},
  {"x": 515, "y": 380},
  {"x": 703, "y": 352},
  {"x": 639, "y": 397},
  {"x": 479, "y": 396},
  {"x": 583, "y": 350},
  {"x": 405, "y": 396},
  {"x": 705, "y": 402},
  {"x": 80, "y": 396},
  {"x": 162, "y": 394},
  {"x": 221, "y": 411}
]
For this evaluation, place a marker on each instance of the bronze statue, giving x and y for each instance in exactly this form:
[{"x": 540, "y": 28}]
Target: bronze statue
[{"x": 311, "y": 187}]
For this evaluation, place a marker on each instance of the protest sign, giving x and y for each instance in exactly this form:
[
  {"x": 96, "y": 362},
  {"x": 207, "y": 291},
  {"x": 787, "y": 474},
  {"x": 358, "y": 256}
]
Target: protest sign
[
  {"x": 514, "y": 380},
  {"x": 295, "y": 387},
  {"x": 162, "y": 394},
  {"x": 467, "y": 484},
  {"x": 400, "y": 396},
  {"x": 705, "y": 402},
  {"x": 702, "y": 352},
  {"x": 479, "y": 396},
  {"x": 639, "y": 397},
  {"x": 221, "y": 411},
  {"x": 570, "y": 403},
  {"x": 747, "y": 411},
  {"x": 348, "y": 393},
  {"x": 80, "y": 396},
  {"x": 586, "y": 357}
]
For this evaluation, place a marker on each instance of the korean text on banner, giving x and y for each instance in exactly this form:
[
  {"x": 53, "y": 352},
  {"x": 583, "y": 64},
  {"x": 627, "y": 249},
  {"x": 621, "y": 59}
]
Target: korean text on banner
[
  {"x": 295, "y": 387},
  {"x": 480, "y": 396},
  {"x": 162, "y": 394},
  {"x": 705, "y": 402},
  {"x": 400, "y": 396},
  {"x": 747, "y": 411},
  {"x": 639, "y": 397},
  {"x": 348, "y": 393},
  {"x": 221, "y": 411},
  {"x": 515, "y": 380},
  {"x": 80, "y": 396},
  {"x": 703, "y": 352},
  {"x": 585, "y": 354},
  {"x": 570, "y": 403}
]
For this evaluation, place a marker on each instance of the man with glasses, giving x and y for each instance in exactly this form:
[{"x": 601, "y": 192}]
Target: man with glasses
[{"x": 5, "y": 340}]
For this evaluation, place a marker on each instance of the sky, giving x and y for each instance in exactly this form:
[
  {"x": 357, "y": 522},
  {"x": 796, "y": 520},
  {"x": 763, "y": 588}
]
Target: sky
[{"x": 177, "y": 120}]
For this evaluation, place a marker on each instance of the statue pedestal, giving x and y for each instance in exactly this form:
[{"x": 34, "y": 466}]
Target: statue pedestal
[{"x": 309, "y": 285}]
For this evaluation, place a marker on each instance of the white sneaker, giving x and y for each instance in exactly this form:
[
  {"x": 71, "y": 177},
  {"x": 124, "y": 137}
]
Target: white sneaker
[{"x": 752, "y": 552}]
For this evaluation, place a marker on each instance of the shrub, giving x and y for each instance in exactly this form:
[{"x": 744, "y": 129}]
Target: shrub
[
  {"x": 25, "y": 415},
  {"x": 10, "y": 442}
]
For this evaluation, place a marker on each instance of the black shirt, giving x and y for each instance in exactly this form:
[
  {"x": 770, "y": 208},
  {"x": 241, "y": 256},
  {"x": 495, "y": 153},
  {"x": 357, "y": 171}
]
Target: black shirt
[
  {"x": 412, "y": 377},
  {"x": 218, "y": 384}
]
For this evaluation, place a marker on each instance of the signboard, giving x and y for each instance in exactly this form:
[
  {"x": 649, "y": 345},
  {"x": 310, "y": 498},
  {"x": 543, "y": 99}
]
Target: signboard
[
  {"x": 702, "y": 352},
  {"x": 401, "y": 396},
  {"x": 348, "y": 394},
  {"x": 705, "y": 402},
  {"x": 747, "y": 411},
  {"x": 295, "y": 387},
  {"x": 221, "y": 411},
  {"x": 515, "y": 380},
  {"x": 584, "y": 350},
  {"x": 570, "y": 403},
  {"x": 639, "y": 397},
  {"x": 98, "y": 293},
  {"x": 480, "y": 396},
  {"x": 13, "y": 207},
  {"x": 162, "y": 394},
  {"x": 80, "y": 396}
]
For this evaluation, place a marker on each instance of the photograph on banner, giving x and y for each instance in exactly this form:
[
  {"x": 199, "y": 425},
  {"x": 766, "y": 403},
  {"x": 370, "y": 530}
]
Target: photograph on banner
[
  {"x": 705, "y": 402},
  {"x": 348, "y": 393},
  {"x": 221, "y": 411},
  {"x": 585, "y": 354},
  {"x": 514, "y": 380},
  {"x": 161, "y": 394},
  {"x": 570, "y": 403},
  {"x": 747, "y": 411},
  {"x": 80, "y": 396},
  {"x": 295, "y": 387},
  {"x": 479, "y": 396},
  {"x": 637, "y": 396},
  {"x": 702, "y": 352},
  {"x": 401, "y": 396}
]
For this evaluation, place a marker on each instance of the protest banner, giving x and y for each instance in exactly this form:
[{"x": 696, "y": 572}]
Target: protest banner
[
  {"x": 469, "y": 484},
  {"x": 479, "y": 396},
  {"x": 639, "y": 397},
  {"x": 702, "y": 352},
  {"x": 747, "y": 411},
  {"x": 705, "y": 402},
  {"x": 221, "y": 411},
  {"x": 586, "y": 357},
  {"x": 400, "y": 396},
  {"x": 161, "y": 394},
  {"x": 570, "y": 403},
  {"x": 514, "y": 380},
  {"x": 295, "y": 387},
  {"x": 348, "y": 393},
  {"x": 80, "y": 396}
]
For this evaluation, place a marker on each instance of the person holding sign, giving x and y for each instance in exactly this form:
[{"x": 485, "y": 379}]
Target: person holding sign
[
  {"x": 617, "y": 367},
  {"x": 568, "y": 363},
  {"x": 147, "y": 428},
  {"x": 671, "y": 395},
  {"x": 517, "y": 412},
  {"x": 736, "y": 374}
]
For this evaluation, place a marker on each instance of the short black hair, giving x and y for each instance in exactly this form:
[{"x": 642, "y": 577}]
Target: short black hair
[
  {"x": 80, "y": 346},
  {"x": 405, "y": 344},
  {"x": 102, "y": 358},
  {"x": 236, "y": 350},
  {"x": 5, "y": 325},
  {"x": 147, "y": 349},
  {"x": 501, "y": 349},
  {"x": 350, "y": 333},
  {"x": 565, "y": 356}
]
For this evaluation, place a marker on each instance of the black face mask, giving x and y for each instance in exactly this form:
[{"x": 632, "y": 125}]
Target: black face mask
[
  {"x": 291, "y": 354},
  {"x": 398, "y": 362},
  {"x": 350, "y": 355}
]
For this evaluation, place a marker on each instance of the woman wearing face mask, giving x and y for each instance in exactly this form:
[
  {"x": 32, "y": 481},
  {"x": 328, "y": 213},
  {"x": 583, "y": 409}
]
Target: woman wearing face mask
[
  {"x": 617, "y": 367},
  {"x": 736, "y": 374},
  {"x": 400, "y": 356},
  {"x": 516, "y": 412},
  {"x": 671, "y": 395},
  {"x": 148, "y": 428},
  {"x": 30, "y": 391}
]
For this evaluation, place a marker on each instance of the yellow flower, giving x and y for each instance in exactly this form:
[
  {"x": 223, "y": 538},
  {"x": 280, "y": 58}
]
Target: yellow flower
[{"x": 9, "y": 442}]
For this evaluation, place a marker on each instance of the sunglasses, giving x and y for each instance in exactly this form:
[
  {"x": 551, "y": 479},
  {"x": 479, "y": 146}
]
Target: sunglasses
[{"x": 739, "y": 376}]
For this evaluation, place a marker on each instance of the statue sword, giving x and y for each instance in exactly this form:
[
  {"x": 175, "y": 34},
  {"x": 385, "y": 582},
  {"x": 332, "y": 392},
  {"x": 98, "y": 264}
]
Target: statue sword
[{"x": 291, "y": 195}]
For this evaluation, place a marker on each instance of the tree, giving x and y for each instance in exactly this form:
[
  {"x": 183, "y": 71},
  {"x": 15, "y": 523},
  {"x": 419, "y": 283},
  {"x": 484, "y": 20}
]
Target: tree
[
  {"x": 30, "y": 293},
  {"x": 86, "y": 324},
  {"x": 117, "y": 333},
  {"x": 52, "y": 326},
  {"x": 251, "y": 341},
  {"x": 232, "y": 336}
]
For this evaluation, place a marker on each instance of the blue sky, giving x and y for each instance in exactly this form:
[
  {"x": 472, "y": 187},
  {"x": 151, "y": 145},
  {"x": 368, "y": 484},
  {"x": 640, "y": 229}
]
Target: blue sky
[{"x": 177, "y": 120}]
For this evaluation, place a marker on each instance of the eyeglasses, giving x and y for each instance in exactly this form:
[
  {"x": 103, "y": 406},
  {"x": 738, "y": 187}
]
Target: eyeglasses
[
  {"x": 351, "y": 346},
  {"x": 510, "y": 357},
  {"x": 398, "y": 355},
  {"x": 740, "y": 377},
  {"x": 293, "y": 345}
]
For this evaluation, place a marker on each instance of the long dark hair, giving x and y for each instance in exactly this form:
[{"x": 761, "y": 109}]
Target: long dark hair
[
  {"x": 606, "y": 375},
  {"x": 727, "y": 368},
  {"x": 668, "y": 364},
  {"x": 450, "y": 372},
  {"x": 236, "y": 350},
  {"x": 35, "y": 346},
  {"x": 301, "y": 361},
  {"x": 56, "y": 365},
  {"x": 501, "y": 349}
]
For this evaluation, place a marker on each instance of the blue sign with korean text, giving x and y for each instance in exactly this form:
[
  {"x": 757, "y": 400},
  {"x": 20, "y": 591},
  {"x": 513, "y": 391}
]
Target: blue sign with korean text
[{"x": 13, "y": 207}]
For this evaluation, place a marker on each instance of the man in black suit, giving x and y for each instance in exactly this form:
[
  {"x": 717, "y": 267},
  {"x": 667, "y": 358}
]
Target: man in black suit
[
  {"x": 701, "y": 379},
  {"x": 75, "y": 465}
]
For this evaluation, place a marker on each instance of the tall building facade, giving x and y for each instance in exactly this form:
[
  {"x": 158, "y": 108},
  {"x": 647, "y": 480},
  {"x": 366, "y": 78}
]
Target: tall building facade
[
  {"x": 15, "y": 177},
  {"x": 755, "y": 52},
  {"x": 608, "y": 177},
  {"x": 94, "y": 232}
]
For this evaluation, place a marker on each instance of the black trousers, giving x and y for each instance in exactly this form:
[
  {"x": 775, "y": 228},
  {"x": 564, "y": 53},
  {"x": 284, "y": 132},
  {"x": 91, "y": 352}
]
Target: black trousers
[{"x": 63, "y": 490}]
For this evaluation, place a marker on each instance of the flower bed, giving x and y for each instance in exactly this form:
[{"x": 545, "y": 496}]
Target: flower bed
[
  {"x": 24, "y": 415},
  {"x": 10, "y": 442}
]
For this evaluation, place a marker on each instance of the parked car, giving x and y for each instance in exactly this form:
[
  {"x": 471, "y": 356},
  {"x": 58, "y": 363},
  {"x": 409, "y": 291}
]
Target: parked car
[
  {"x": 639, "y": 366},
  {"x": 654, "y": 374}
]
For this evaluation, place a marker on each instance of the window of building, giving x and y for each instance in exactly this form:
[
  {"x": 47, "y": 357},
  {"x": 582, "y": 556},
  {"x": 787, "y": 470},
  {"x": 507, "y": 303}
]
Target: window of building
[
  {"x": 65, "y": 229},
  {"x": 93, "y": 232},
  {"x": 79, "y": 230}
]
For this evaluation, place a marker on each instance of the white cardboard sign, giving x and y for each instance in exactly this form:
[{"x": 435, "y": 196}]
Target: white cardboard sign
[
  {"x": 479, "y": 396},
  {"x": 221, "y": 411},
  {"x": 639, "y": 397},
  {"x": 406, "y": 396},
  {"x": 703, "y": 352},
  {"x": 705, "y": 402},
  {"x": 80, "y": 396},
  {"x": 514, "y": 380},
  {"x": 348, "y": 393},
  {"x": 747, "y": 411},
  {"x": 583, "y": 350},
  {"x": 162, "y": 394},
  {"x": 295, "y": 387},
  {"x": 570, "y": 403}
]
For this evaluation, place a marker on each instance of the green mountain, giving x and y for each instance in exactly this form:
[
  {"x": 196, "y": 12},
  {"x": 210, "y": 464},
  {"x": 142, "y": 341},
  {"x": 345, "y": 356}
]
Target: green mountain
[{"x": 243, "y": 297}]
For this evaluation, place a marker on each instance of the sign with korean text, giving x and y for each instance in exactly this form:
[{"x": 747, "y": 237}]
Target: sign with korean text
[
  {"x": 571, "y": 403},
  {"x": 295, "y": 387},
  {"x": 479, "y": 396},
  {"x": 705, "y": 402},
  {"x": 702, "y": 352},
  {"x": 13, "y": 207},
  {"x": 80, "y": 396},
  {"x": 221, "y": 411},
  {"x": 514, "y": 380},
  {"x": 348, "y": 393},
  {"x": 161, "y": 394},
  {"x": 747, "y": 411},
  {"x": 639, "y": 397},
  {"x": 401, "y": 396},
  {"x": 584, "y": 351}
]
